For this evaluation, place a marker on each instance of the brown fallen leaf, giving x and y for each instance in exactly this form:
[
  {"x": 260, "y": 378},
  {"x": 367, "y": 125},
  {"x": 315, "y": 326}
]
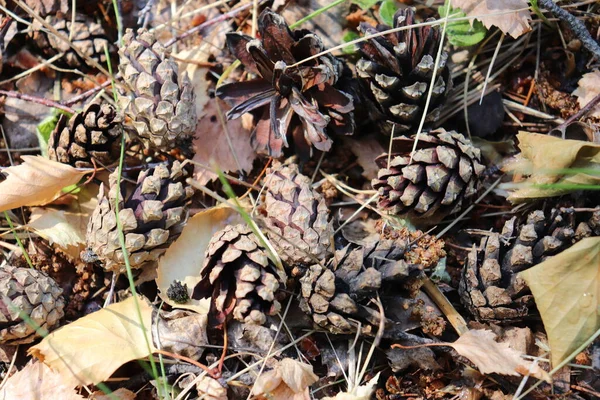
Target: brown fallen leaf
[
  {"x": 510, "y": 16},
  {"x": 545, "y": 159},
  {"x": 588, "y": 87},
  {"x": 366, "y": 150},
  {"x": 566, "y": 289},
  {"x": 66, "y": 227},
  {"x": 91, "y": 348},
  {"x": 119, "y": 394},
  {"x": 489, "y": 356},
  {"x": 288, "y": 380},
  {"x": 36, "y": 182},
  {"x": 184, "y": 258},
  {"x": 212, "y": 146},
  {"x": 37, "y": 381}
]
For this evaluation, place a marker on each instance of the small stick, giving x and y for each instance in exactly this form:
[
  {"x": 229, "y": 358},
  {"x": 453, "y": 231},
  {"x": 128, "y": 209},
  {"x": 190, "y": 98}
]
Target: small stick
[
  {"x": 455, "y": 319},
  {"x": 39, "y": 100},
  {"x": 208, "y": 23},
  {"x": 187, "y": 359},
  {"x": 88, "y": 93},
  {"x": 584, "y": 110},
  {"x": 576, "y": 26}
]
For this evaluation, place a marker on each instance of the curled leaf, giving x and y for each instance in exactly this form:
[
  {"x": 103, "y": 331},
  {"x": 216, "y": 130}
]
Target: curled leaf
[
  {"x": 289, "y": 380},
  {"x": 36, "y": 182},
  {"x": 512, "y": 17}
]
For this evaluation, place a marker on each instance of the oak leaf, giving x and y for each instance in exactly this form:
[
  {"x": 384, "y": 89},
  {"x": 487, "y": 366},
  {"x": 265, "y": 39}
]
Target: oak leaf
[
  {"x": 588, "y": 87},
  {"x": 185, "y": 257},
  {"x": 510, "y": 16},
  {"x": 37, "y": 381},
  {"x": 289, "y": 380},
  {"x": 36, "y": 182},
  {"x": 91, "y": 348},
  {"x": 566, "y": 289}
]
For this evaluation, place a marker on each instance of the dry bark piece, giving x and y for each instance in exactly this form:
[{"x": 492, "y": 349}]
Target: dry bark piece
[
  {"x": 95, "y": 133},
  {"x": 397, "y": 68},
  {"x": 160, "y": 104},
  {"x": 33, "y": 293},
  {"x": 86, "y": 34},
  {"x": 152, "y": 215},
  {"x": 490, "y": 286},
  {"x": 296, "y": 216},
  {"x": 304, "y": 101},
  {"x": 444, "y": 173},
  {"x": 238, "y": 277}
]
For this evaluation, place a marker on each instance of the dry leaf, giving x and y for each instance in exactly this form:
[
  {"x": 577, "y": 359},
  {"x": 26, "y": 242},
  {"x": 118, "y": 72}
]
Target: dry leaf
[
  {"x": 544, "y": 158},
  {"x": 513, "y": 23},
  {"x": 37, "y": 381},
  {"x": 213, "y": 148},
  {"x": 66, "y": 227},
  {"x": 93, "y": 347},
  {"x": 566, "y": 289},
  {"x": 36, "y": 182},
  {"x": 588, "y": 87},
  {"x": 481, "y": 348},
  {"x": 181, "y": 332},
  {"x": 359, "y": 393},
  {"x": 119, "y": 394},
  {"x": 184, "y": 258},
  {"x": 366, "y": 150},
  {"x": 289, "y": 380}
]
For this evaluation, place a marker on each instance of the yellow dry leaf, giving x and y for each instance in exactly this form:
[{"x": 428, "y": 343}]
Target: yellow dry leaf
[
  {"x": 66, "y": 227},
  {"x": 545, "y": 159},
  {"x": 566, "y": 289},
  {"x": 289, "y": 380},
  {"x": 185, "y": 257},
  {"x": 37, "y": 381},
  {"x": 363, "y": 392},
  {"x": 36, "y": 182},
  {"x": 510, "y": 16},
  {"x": 93, "y": 347},
  {"x": 481, "y": 348},
  {"x": 588, "y": 87}
]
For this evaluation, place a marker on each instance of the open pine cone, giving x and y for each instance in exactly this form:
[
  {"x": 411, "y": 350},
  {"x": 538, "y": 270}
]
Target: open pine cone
[
  {"x": 296, "y": 217},
  {"x": 94, "y": 133},
  {"x": 153, "y": 215},
  {"x": 397, "y": 69},
  {"x": 238, "y": 277},
  {"x": 160, "y": 104},
  {"x": 85, "y": 34},
  {"x": 28, "y": 291},
  {"x": 301, "y": 101},
  {"x": 444, "y": 173},
  {"x": 490, "y": 287}
]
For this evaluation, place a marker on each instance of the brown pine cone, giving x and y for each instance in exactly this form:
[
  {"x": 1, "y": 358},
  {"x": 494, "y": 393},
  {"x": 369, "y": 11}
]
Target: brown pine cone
[
  {"x": 296, "y": 217},
  {"x": 338, "y": 296},
  {"x": 445, "y": 173},
  {"x": 95, "y": 133},
  {"x": 88, "y": 36},
  {"x": 238, "y": 277},
  {"x": 153, "y": 215},
  {"x": 397, "y": 68},
  {"x": 304, "y": 102},
  {"x": 28, "y": 291},
  {"x": 490, "y": 287},
  {"x": 160, "y": 104}
]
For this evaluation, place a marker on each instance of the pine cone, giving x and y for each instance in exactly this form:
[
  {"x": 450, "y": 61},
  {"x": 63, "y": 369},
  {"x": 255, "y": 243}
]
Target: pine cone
[
  {"x": 445, "y": 170},
  {"x": 337, "y": 296},
  {"x": 490, "y": 287},
  {"x": 88, "y": 36},
  {"x": 93, "y": 133},
  {"x": 397, "y": 69},
  {"x": 296, "y": 217},
  {"x": 152, "y": 215},
  {"x": 33, "y": 293},
  {"x": 238, "y": 277},
  {"x": 160, "y": 104},
  {"x": 303, "y": 101}
]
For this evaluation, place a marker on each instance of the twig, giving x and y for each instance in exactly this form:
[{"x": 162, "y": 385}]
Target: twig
[
  {"x": 39, "y": 100},
  {"x": 455, "y": 319},
  {"x": 88, "y": 93},
  {"x": 576, "y": 26},
  {"x": 584, "y": 110},
  {"x": 208, "y": 23}
]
